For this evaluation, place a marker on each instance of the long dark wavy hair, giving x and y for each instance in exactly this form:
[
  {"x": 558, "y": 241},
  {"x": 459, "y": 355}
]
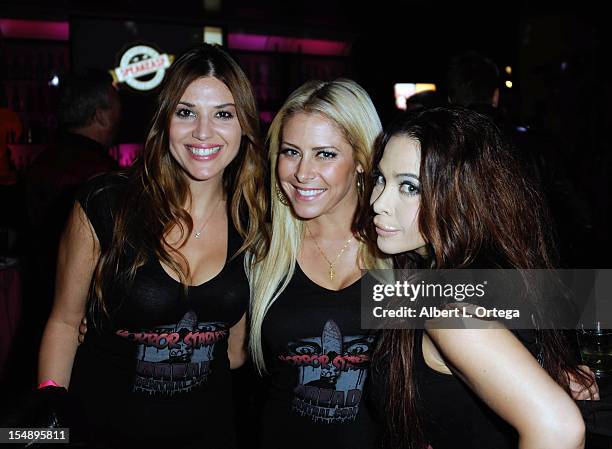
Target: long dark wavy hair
[
  {"x": 476, "y": 207},
  {"x": 157, "y": 188}
]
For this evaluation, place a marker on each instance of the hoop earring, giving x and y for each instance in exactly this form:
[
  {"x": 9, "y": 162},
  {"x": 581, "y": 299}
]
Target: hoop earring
[{"x": 280, "y": 195}]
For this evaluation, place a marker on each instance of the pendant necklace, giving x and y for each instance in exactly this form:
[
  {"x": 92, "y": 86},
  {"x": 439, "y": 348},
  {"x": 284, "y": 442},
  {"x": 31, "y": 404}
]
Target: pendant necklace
[
  {"x": 198, "y": 233},
  {"x": 332, "y": 271}
]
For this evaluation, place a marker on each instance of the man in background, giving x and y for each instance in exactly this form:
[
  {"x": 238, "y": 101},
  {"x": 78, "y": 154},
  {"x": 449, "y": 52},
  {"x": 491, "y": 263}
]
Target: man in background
[
  {"x": 88, "y": 115},
  {"x": 89, "y": 110},
  {"x": 473, "y": 81}
]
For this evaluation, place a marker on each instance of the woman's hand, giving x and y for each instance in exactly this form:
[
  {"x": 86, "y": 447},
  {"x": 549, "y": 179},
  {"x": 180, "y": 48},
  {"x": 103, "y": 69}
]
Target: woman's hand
[
  {"x": 581, "y": 392},
  {"x": 82, "y": 329}
]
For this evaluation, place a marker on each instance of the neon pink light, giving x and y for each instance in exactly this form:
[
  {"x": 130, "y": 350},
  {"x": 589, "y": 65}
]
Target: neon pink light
[
  {"x": 34, "y": 29},
  {"x": 260, "y": 42}
]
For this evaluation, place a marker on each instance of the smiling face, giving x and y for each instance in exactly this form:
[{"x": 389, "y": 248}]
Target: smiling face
[
  {"x": 205, "y": 132},
  {"x": 316, "y": 167},
  {"x": 396, "y": 197}
]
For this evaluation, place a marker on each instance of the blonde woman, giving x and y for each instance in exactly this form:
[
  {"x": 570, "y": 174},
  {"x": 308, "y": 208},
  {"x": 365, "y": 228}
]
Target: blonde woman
[{"x": 305, "y": 322}]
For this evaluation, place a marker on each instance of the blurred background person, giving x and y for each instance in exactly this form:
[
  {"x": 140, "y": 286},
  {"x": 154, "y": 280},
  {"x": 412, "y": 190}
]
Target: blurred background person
[
  {"x": 473, "y": 81},
  {"x": 89, "y": 111}
]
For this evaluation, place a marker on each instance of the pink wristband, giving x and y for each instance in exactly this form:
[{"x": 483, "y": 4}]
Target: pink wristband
[{"x": 48, "y": 383}]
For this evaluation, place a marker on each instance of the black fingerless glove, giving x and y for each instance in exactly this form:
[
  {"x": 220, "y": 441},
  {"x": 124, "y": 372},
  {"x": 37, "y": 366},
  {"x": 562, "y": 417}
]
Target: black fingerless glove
[
  {"x": 50, "y": 408},
  {"x": 45, "y": 408}
]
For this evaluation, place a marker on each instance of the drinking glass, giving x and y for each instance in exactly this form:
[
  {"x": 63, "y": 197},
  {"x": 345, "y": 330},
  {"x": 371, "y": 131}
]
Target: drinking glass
[{"x": 596, "y": 349}]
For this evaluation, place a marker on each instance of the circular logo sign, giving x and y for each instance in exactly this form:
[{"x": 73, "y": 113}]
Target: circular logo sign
[{"x": 137, "y": 63}]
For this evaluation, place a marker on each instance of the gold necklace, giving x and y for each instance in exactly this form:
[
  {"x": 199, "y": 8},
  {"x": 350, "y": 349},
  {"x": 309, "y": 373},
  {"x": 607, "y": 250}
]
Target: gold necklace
[
  {"x": 332, "y": 271},
  {"x": 198, "y": 233}
]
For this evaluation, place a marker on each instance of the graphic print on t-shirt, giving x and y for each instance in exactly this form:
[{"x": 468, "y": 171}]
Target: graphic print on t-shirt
[
  {"x": 174, "y": 358},
  {"x": 332, "y": 370}
]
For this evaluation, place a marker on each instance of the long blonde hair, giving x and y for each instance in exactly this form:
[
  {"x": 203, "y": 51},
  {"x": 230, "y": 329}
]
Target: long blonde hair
[{"x": 347, "y": 105}]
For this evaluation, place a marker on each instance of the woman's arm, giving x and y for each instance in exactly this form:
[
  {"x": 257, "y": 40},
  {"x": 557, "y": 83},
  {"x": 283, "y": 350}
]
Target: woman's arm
[
  {"x": 77, "y": 257},
  {"x": 236, "y": 345},
  {"x": 504, "y": 374}
]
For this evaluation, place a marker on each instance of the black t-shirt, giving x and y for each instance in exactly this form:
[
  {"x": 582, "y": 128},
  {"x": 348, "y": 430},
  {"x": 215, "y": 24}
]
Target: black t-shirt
[
  {"x": 159, "y": 375},
  {"x": 318, "y": 359}
]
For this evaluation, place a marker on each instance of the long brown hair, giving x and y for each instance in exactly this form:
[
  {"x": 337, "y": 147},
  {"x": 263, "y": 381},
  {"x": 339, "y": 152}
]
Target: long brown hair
[
  {"x": 476, "y": 207},
  {"x": 157, "y": 188}
]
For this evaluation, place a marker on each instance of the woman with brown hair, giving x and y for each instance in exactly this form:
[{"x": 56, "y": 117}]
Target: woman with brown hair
[
  {"x": 154, "y": 257},
  {"x": 448, "y": 193}
]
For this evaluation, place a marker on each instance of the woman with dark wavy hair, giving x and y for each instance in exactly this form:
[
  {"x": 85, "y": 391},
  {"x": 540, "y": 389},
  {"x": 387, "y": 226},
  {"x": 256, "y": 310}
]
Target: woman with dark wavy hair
[
  {"x": 155, "y": 257},
  {"x": 450, "y": 194}
]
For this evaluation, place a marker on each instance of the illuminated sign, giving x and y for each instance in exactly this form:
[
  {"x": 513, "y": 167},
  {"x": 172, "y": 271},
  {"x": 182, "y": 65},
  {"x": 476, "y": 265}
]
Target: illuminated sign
[{"x": 138, "y": 62}]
